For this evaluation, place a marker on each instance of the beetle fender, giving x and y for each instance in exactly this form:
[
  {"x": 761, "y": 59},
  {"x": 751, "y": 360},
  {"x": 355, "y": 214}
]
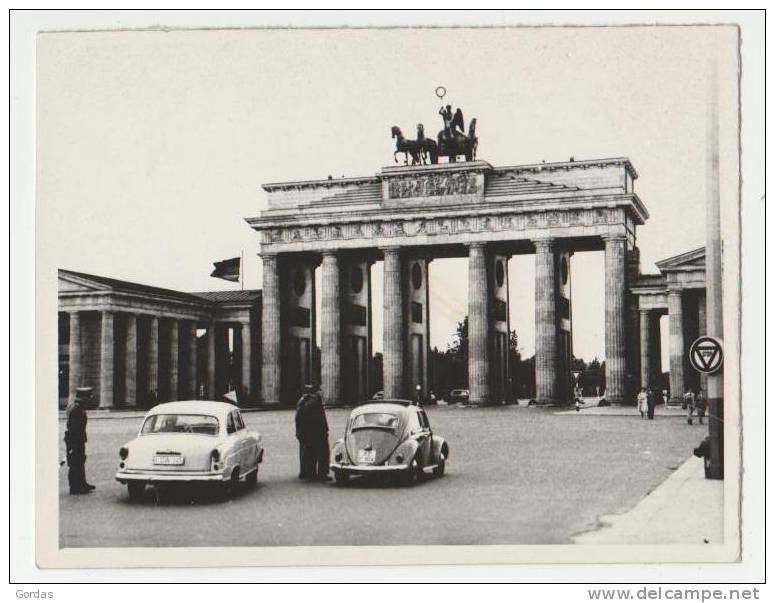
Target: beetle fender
[
  {"x": 339, "y": 448},
  {"x": 406, "y": 450},
  {"x": 440, "y": 445}
]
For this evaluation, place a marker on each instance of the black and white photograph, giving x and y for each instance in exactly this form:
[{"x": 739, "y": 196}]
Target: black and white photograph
[{"x": 387, "y": 295}]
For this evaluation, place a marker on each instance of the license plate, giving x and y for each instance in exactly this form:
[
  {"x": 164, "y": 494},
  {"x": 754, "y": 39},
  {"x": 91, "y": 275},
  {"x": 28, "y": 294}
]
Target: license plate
[
  {"x": 168, "y": 459},
  {"x": 367, "y": 456}
]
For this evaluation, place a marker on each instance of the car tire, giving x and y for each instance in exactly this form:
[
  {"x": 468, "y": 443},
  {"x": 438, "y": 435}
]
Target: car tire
[
  {"x": 341, "y": 477},
  {"x": 252, "y": 478},
  {"x": 414, "y": 472},
  {"x": 231, "y": 487},
  {"x": 438, "y": 470},
  {"x": 135, "y": 490}
]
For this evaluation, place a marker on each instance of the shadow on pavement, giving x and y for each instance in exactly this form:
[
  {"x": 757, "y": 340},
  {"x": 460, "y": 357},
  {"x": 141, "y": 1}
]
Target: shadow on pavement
[{"x": 188, "y": 494}]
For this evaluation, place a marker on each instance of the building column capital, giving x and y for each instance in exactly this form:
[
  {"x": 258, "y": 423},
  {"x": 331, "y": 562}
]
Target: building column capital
[
  {"x": 478, "y": 246},
  {"x": 613, "y": 237},
  {"x": 330, "y": 257},
  {"x": 393, "y": 251},
  {"x": 644, "y": 312},
  {"x": 547, "y": 244}
]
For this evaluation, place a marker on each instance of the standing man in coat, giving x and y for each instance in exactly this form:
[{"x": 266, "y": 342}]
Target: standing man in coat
[
  {"x": 303, "y": 434},
  {"x": 75, "y": 444},
  {"x": 318, "y": 426}
]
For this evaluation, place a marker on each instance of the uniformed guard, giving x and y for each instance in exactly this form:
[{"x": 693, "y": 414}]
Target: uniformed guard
[{"x": 75, "y": 442}]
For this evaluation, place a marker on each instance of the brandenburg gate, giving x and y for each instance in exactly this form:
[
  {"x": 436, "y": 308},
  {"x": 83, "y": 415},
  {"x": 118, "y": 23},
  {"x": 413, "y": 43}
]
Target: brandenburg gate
[{"x": 408, "y": 215}]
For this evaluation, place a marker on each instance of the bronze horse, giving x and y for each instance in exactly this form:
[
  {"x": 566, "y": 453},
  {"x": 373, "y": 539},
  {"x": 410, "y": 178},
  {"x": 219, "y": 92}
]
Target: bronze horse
[
  {"x": 458, "y": 143},
  {"x": 419, "y": 149}
]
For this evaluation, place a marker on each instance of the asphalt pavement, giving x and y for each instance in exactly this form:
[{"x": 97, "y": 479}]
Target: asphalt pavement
[{"x": 516, "y": 475}]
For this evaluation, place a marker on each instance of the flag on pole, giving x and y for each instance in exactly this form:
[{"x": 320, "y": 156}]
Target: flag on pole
[{"x": 228, "y": 270}]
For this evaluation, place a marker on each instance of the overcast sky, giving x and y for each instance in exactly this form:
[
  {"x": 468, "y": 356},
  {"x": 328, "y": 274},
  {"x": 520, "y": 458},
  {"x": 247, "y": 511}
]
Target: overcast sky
[{"x": 152, "y": 146}]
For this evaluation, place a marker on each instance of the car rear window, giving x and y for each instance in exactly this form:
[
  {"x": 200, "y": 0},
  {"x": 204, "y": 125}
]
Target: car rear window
[
  {"x": 379, "y": 420},
  {"x": 177, "y": 423}
]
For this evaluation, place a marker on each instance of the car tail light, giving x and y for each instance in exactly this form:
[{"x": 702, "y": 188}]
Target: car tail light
[
  {"x": 338, "y": 457},
  {"x": 215, "y": 458},
  {"x": 399, "y": 459},
  {"x": 123, "y": 453}
]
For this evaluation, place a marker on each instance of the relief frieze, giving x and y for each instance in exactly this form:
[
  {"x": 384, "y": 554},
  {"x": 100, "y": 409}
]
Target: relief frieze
[
  {"x": 433, "y": 185},
  {"x": 441, "y": 226}
]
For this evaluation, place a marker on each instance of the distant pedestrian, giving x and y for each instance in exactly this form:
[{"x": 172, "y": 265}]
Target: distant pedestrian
[
  {"x": 689, "y": 405},
  {"x": 701, "y": 403},
  {"x": 651, "y": 402},
  {"x": 643, "y": 399},
  {"x": 75, "y": 443}
]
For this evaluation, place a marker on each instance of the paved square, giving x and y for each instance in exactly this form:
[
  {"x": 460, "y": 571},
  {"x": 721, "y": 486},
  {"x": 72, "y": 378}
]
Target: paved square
[{"x": 516, "y": 475}]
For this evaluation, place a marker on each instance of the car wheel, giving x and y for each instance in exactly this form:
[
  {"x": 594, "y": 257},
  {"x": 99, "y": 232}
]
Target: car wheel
[
  {"x": 341, "y": 477},
  {"x": 414, "y": 472},
  {"x": 231, "y": 487},
  {"x": 438, "y": 471},
  {"x": 135, "y": 490},
  {"x": 252, "y": 477}
]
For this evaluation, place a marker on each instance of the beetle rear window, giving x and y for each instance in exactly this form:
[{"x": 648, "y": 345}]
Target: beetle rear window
[
  {"x": 380, "y": 420},
  {"x": 172, "y": 423}
]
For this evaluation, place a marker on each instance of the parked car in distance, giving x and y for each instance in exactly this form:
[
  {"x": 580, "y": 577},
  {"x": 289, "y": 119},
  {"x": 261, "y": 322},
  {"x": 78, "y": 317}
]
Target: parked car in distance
[
  {"x": 458, "y": 396},
  {"x": 392, "y": 437},
  {"x": 190, "y": 442}
]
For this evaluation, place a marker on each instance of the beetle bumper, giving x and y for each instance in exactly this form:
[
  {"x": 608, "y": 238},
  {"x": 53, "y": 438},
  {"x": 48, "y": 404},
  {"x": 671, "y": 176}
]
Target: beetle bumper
[{"x": 368, "y": 469}]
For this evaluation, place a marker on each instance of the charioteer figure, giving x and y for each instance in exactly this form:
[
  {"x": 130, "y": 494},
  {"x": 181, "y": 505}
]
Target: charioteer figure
[{"x": 452, "y": 123}]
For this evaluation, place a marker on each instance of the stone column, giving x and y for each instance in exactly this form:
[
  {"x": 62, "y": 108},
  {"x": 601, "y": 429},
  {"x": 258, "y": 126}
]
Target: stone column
[
  {"x": 655, "y": 337},
  {"x": 702, "y": 320},
  {"x": 615, "y": 345},
  {"x": 393, "y": 324},
  {"x": 153, "y": 356},
  {"x": 478, "y": 326},
  {"x": 193, "y": 363},
  {"x": 246, "y": 358},
  {"x": 75, "y": 351},
  {"x": 645, "y": 348},
  {"x": 271, "y": 345},
  {"x": 675, "y": 311},
  {"x": 546, "y": 361},
  {"x": 130, "y": 361},
  {"x": 106, "y": 360},
  {"x": 211, "y": 361},
  {"x": 331, "y": 330},
  {"x": 174, "y": 361}
]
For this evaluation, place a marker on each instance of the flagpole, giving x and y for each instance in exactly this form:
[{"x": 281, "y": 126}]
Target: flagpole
[{"x": 242, "y": 270}]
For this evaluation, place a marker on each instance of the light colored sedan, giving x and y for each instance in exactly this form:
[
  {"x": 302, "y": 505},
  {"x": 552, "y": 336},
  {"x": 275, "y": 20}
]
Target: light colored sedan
[{"x": 190, "y": 442}]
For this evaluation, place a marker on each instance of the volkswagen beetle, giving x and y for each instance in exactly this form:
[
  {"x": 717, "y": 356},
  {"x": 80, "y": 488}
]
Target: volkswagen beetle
[
  {"x": 391, "y": 437},
  {"x": 191, "y": 442}
]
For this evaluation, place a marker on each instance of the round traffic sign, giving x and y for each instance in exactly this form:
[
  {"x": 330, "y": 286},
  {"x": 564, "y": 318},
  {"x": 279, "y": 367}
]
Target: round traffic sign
[{"x": 706, "y": 354}]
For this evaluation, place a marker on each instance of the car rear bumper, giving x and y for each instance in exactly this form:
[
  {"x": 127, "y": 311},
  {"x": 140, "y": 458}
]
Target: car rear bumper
[
  {"x": 368, "y": 469},
  {"x": 130, "y": 475}
]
